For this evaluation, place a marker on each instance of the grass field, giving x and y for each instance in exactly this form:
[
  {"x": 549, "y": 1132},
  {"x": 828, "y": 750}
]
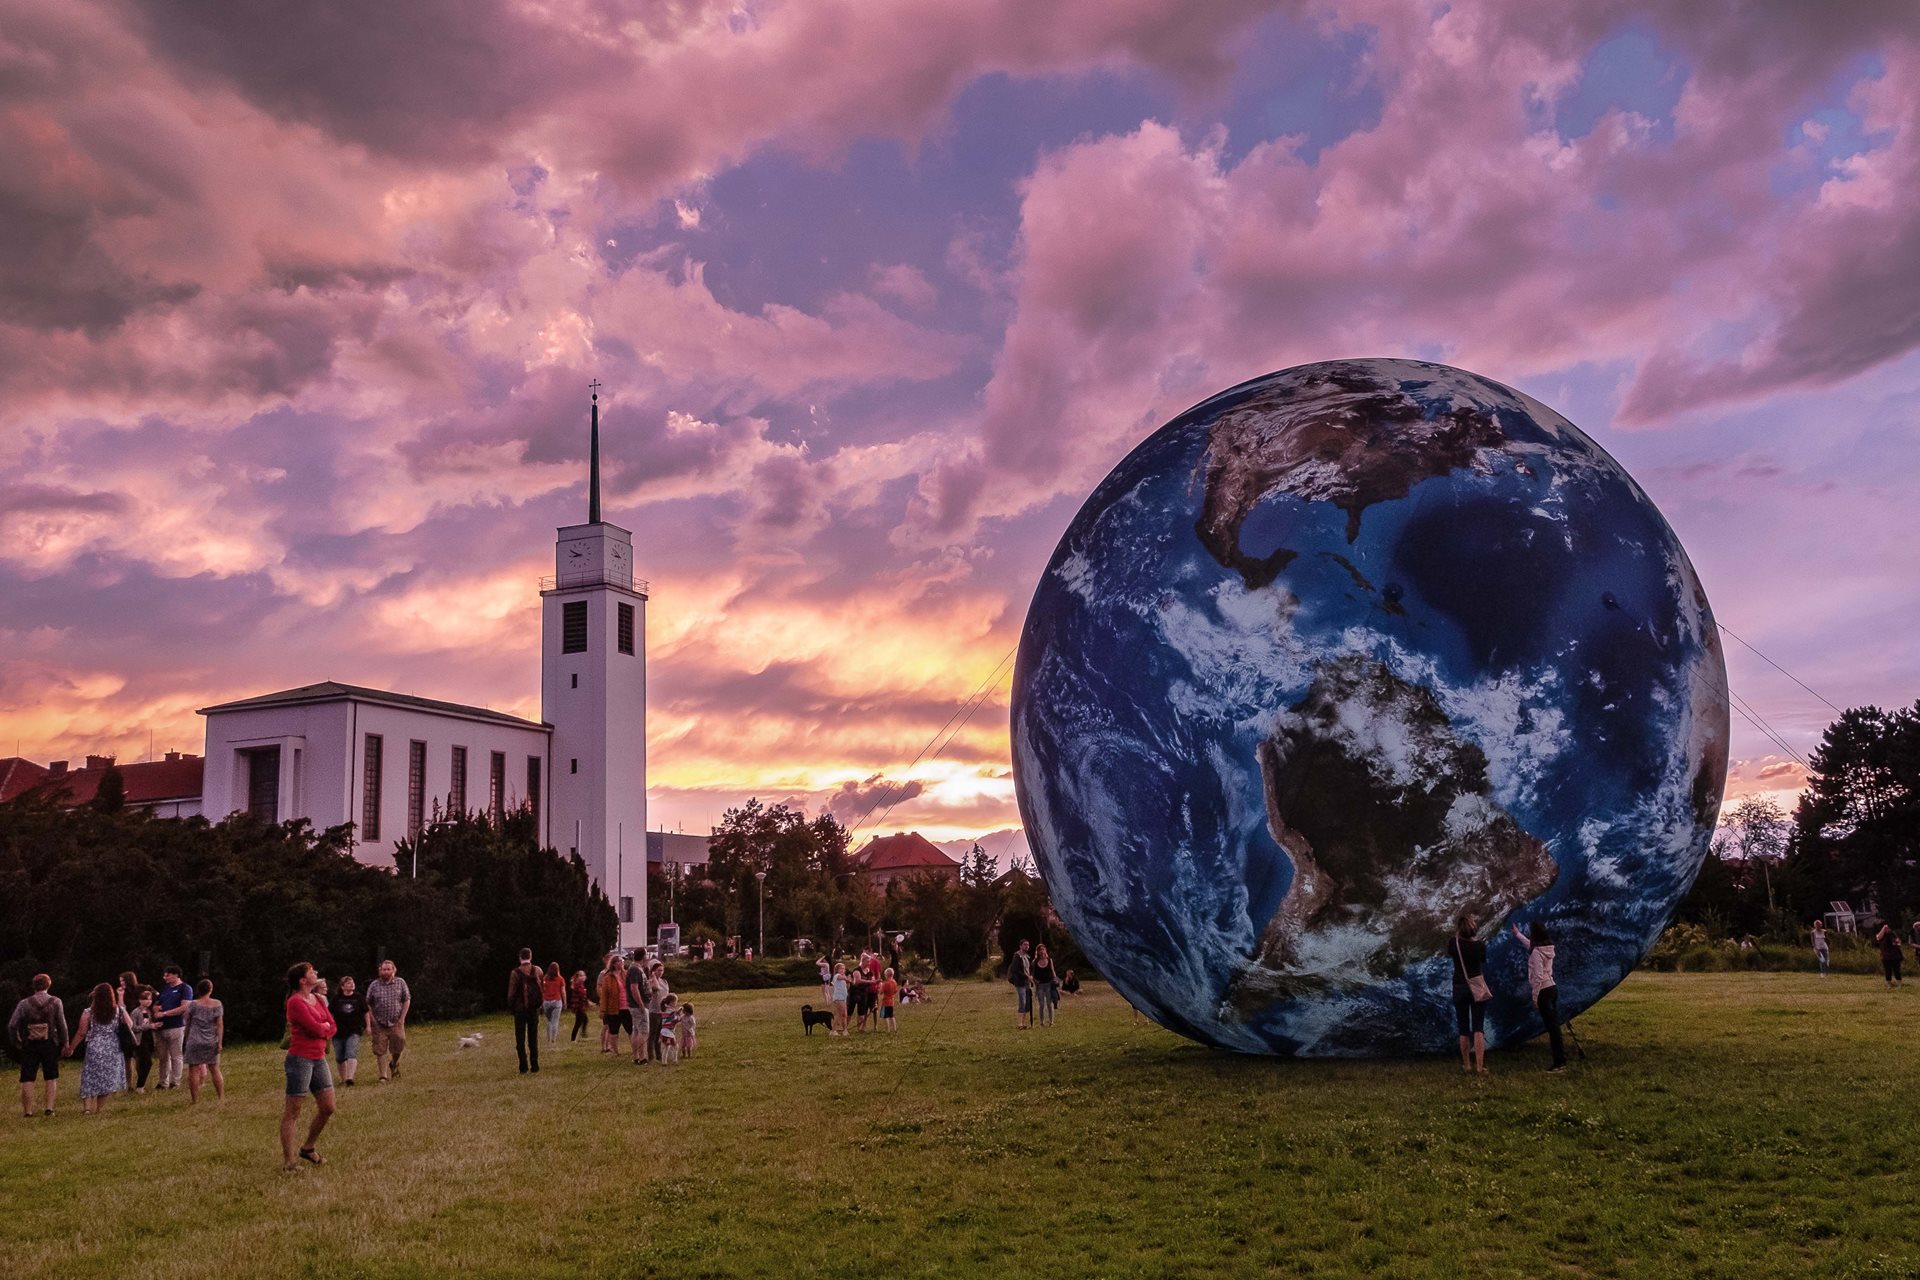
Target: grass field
[{"x": 1723, "y": 1125}]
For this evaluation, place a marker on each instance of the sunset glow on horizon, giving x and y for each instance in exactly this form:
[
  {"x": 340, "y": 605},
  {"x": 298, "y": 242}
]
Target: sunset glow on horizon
[{"x": 298, "y": 311}]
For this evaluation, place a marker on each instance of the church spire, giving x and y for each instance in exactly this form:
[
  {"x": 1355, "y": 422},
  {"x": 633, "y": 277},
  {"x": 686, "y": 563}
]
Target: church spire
[{"x": 593, "y": 470}]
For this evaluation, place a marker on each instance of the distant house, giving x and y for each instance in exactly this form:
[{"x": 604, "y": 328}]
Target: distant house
[
  {"x": 165, "y": 788},
  {"x": 689, "y": 853},
  {"x": 884, "y": 859}
]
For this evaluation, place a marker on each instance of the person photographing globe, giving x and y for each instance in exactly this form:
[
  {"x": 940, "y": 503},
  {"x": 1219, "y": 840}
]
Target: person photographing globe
[{"x": 1471, "y": 994}]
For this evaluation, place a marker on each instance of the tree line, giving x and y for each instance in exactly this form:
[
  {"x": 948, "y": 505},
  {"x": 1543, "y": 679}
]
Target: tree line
[
  {"x": 814, "y": 890},
  {"x": 1853, "y": 836},
  {"x": 90, "y": 892}
]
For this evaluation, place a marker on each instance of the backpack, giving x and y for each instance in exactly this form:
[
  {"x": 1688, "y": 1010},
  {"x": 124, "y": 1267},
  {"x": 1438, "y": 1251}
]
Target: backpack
[{"x": 37, "y": 1026}]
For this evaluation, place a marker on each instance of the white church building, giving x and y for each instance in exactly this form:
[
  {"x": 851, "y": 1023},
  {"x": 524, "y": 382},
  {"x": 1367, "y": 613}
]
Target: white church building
[{"x": 335, "y": 753}]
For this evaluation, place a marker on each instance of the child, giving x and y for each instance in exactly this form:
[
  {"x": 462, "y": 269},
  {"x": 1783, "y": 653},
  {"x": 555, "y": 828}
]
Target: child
[
  {"x": 889, "y": 993},
  {"x": 840, "y": 999},
  {"x": 686, "y": 1032},
  {"x": 670, "y": 1029}
]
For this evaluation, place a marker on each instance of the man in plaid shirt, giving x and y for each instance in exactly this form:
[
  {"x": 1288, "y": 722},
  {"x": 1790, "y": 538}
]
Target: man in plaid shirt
[{"x": 388, "y": 1001}]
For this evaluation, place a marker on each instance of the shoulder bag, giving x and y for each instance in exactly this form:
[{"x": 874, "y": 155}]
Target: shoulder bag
[{"x": 1476, "y": 983}]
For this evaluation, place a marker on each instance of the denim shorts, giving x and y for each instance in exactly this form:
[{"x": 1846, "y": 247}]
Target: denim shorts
[
  {"x": 347, "y": 1048},
  {"x": 306, "y": 1075},
  {"x": 1026, "y": 999}
]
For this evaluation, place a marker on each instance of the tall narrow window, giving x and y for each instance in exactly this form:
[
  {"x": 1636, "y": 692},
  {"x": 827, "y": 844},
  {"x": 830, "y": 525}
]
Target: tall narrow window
[
  {"x": 457, "y": 793},
  {"x": 497, "y": 787},
  {"x": 626, "y": 910},
  {"x": 263, "y": 783},
  {"x": 416, "y": 789},
  {"x": 573, "y": 627},
  {"x": 370, "y": 791},
  {"x": 533, "y": 784},
  {"x": 626, "y": 628}
]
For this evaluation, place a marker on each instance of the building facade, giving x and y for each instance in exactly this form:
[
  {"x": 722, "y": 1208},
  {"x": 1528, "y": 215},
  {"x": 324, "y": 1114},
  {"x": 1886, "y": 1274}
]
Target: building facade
[{"x": 387, "y": 762}]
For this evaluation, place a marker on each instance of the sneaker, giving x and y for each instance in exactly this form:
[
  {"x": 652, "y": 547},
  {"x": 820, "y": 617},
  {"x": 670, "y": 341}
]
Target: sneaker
[{"x": 1554, "y": 1071}]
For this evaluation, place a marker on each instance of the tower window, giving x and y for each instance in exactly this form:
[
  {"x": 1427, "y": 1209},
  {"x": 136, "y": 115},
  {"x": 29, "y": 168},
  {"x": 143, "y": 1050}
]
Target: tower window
[
  {"x": 533, "y": 783},
  {"x": 457, "y": 793},
  {"x": 573, "y": 627},
  {"x": 416, "y": 789},
  {"x": 370, "y": 791},
  {"x": 497, "y": 787},
  {"x": 626, "y": 910},
  {"x": 573, "y": 765},
  {"x": 576, "y": 680},
  {"x": 626, "y": 628}
]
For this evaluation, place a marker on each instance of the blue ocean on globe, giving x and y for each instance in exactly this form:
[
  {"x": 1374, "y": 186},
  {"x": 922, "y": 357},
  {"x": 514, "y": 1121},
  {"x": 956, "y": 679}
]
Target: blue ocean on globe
[{"x": 1338, "y": 655}]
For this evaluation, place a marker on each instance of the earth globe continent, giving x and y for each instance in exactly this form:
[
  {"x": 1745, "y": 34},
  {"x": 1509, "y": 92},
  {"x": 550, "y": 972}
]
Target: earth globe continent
[{"x": 1337, "y": 656}]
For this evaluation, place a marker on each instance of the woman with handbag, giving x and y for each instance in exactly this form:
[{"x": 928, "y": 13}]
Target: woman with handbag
[{"x": 1471, "y": 994}]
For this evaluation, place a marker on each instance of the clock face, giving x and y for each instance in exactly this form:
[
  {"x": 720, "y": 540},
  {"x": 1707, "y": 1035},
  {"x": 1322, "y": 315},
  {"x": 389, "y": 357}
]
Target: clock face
[
  {"x": 576, "y": 551},
  {"x": 619, "y": 553}
]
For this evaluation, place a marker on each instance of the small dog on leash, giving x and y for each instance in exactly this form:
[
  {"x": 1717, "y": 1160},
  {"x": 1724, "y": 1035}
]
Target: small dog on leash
[
  {"x": 471, "y": 1040},
  {"x": 809, "y": 1019}
]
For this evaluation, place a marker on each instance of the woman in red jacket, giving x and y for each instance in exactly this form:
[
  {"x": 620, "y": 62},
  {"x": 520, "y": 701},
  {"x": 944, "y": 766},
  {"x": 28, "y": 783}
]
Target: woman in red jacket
[{"x": 311, "y": 1027}]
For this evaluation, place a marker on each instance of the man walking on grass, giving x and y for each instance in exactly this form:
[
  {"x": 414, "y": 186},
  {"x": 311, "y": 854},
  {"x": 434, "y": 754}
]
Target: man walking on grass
[
  {"x": 37, "y": 1030},
  {"x": 523, "y": 1001},
  {"x": 388, "y": 1000},
  {"x": 1020, "y": 974},
  {"x": 171, "y": 1006}
]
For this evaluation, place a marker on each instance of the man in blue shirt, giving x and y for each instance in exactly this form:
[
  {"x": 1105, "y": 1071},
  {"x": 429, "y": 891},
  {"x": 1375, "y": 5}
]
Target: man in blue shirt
[{"x": 170, "y": 1004}]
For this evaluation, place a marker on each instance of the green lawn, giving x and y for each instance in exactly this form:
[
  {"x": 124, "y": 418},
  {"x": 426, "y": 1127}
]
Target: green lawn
[{"x": 1724, "y": 1125}]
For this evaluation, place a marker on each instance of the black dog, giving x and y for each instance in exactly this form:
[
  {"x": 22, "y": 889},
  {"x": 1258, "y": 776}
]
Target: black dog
[{"x": 809, "y": 1019}]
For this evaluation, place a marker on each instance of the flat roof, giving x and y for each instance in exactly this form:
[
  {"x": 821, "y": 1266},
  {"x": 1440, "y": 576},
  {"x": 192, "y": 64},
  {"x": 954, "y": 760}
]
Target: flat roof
[{"x": 334, "y": 691}]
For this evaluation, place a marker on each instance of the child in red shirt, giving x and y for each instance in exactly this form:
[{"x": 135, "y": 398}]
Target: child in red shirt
[{"x": 889, "y": 995}]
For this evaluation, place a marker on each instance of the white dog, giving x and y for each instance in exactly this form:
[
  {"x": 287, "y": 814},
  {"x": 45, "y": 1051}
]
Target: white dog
[{"x": 470, "y": 1040}]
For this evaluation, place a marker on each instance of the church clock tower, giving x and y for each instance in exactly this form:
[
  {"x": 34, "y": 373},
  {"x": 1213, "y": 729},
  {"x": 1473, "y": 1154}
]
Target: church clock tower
[{"x": 593, "y": 691}]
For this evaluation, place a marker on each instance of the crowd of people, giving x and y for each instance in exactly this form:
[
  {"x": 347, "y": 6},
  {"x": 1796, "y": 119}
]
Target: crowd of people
[
  {"x": 868, "y": 990},
  {"x": 125, "y": 1030}
]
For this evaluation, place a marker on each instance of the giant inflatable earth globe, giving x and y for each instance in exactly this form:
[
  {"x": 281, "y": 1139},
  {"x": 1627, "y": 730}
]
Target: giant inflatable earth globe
[{"x": 1337, "y": 656}]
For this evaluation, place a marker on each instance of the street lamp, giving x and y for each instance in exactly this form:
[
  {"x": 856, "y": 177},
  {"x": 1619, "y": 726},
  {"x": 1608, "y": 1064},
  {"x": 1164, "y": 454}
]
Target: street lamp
[
  {"x": 673, "y": 877},
  {"x": 761, "y": 876}
]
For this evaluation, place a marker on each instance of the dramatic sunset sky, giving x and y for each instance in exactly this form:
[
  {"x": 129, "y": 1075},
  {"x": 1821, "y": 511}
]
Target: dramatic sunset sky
[{"x": 298, "y": 306}]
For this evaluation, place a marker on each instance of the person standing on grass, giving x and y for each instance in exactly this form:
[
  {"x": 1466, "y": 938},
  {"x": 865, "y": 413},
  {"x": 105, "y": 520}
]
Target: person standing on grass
[
  {"x": 206, "y": 1036},
  {"x": 310, "y": 1026},
  {"x": 578, "y": 998},
  {"x": 1046, "y": 986},
  {"x": 613, "y": 1005},
  {"x": 172, "y": 1004},
  {"x": 1888, "y": 940},
  {"x": 640, "y": 1007},
  {"x": 141, "y": 1020},
  {"x": 889, "y": 997},
  {"x": 349, "y": 1010},
  {"x": 1546, "y": 996},
  {"x": 658, "y": 993},
  {"x": 104, "y": 1073},
  {"x": 1020, "y": 974},
  {"x": 839, "y": 995},
  {"x": 127, "y": 992},
  {"x": 826, "y": 979},
  {"x": 37, "y": 1030},
  {"x": 388, "y": 999},
  {"x": 1471, "y": 995},
  {"x": 1820, "y": 951},
  {"x": 523, "y": 1002},
  {"x": 553, "y": 998}
]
